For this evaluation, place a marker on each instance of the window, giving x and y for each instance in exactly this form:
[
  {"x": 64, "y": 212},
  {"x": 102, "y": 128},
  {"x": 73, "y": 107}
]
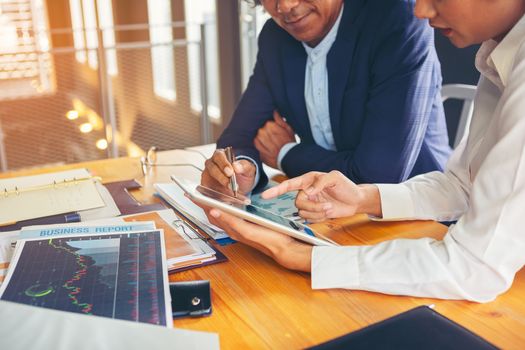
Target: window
[
  {"x": 90, "y": 27},
  {"x": 85, "y": 36},
  {"x": 162, "y": 58},
  {"x": 197, "y": 12},
  {"x": 252, "y": 21},
  {"x": 78, "y": 30},
  {"x": 105, "y": 20},
  {"x": 26, "y": 66}
]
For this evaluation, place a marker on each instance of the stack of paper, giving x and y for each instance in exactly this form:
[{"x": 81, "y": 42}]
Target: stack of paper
[
  {"x": 174, "y": 195},
  {"x": 184, "y": 246}
]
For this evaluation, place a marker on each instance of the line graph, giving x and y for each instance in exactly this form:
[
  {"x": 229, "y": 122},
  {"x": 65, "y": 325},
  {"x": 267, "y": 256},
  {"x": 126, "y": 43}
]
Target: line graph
[
  {"x": 69, "y": 285},
  {"x": 112, "y": 275}
]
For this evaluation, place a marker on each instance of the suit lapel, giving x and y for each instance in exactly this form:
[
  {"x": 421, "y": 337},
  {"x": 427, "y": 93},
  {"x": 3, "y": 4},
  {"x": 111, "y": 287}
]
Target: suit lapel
[
  {"x": 294, "y": 66},
  {"x": 339, "y": 62}
]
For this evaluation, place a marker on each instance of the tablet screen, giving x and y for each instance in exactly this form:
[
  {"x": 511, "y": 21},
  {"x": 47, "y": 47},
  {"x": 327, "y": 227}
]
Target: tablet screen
[
  {"x": 276, "y": 218},
  {"x": 243, "y": 204}
]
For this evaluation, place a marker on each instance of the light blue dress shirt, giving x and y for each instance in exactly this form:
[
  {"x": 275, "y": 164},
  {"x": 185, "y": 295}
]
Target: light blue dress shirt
[
  {"x": 316, "y": 93},
  {"x": 316, "y": 96}
]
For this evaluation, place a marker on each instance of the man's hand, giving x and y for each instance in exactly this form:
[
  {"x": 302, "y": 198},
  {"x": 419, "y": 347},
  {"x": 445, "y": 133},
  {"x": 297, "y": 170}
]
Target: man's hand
[
  {"x": 217, "y": 173},
  {"x": 272, "y": 137},
  {"x": 330, "y": 195}
]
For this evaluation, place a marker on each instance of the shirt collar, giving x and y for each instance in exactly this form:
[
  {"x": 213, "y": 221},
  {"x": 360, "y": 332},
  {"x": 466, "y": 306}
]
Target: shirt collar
[
  {"x": 324, "y": 46},
  {"x": 498, "y": 58},
  {"x": 485, "y": 65}
]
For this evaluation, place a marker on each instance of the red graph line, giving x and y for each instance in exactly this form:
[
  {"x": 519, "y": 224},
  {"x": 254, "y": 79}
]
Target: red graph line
[{"x": 73, "y": 290}]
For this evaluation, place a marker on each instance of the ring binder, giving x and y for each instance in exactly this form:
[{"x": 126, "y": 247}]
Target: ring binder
[
  {"x": 54, "y": 185},
  {"x": 47, "y": 195}
]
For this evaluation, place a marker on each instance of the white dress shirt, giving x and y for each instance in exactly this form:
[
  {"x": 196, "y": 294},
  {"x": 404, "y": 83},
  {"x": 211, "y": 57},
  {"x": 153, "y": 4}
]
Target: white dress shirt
[
  {"x": 316, "y": 93},
  {"x": 483, "y": 188}
]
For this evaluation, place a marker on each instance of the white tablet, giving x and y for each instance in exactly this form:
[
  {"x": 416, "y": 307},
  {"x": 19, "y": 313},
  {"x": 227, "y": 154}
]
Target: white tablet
[{"x": 249, "y": 212}]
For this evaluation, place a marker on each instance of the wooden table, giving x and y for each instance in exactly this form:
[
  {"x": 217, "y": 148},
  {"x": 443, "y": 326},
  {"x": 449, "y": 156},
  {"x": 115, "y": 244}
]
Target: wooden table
[{"x": 259, "y": 304}]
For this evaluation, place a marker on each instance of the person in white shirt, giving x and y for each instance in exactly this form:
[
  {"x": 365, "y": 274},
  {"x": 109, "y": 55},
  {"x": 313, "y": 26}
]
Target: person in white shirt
[{"x": 483, "y": 187}]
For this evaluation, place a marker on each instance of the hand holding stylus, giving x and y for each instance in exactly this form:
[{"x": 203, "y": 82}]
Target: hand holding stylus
[
  {"x": 233, "y": 180},
  {"x": 218, "y": 170}
]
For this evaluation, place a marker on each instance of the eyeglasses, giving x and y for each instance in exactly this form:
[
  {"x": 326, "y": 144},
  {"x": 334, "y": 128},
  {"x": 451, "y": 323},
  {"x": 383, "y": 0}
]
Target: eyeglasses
[{"x": 150, "y": 160}]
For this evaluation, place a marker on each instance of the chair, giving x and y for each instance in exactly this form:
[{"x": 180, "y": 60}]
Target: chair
[{"x": 461, "y": 92}]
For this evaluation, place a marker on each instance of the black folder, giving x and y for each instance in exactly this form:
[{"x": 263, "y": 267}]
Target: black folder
[{"x": 419, "y": 328}]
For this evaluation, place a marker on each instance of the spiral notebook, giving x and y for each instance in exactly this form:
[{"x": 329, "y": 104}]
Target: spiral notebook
[{"x": 30, "y": 197}]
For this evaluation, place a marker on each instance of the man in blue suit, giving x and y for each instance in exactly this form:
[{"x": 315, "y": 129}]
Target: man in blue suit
[{"x": 358, "y": 81}]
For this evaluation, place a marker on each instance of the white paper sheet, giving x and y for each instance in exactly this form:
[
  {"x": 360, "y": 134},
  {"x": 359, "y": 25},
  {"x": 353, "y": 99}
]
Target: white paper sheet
[{"x": 26, "y": 327}]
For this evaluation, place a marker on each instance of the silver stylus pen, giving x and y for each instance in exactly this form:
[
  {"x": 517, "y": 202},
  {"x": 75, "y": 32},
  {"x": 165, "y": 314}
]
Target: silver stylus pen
[{"x": 233, "y": 181}]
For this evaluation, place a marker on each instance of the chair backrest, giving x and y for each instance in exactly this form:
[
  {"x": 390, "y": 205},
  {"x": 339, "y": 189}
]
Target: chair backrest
[{"x": 461, "y": 92}]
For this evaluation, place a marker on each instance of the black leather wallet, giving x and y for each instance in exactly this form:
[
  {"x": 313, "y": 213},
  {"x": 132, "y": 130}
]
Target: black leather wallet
[
  {"x": 419, "y": 328},
  {"x": 191, "y": 298}
]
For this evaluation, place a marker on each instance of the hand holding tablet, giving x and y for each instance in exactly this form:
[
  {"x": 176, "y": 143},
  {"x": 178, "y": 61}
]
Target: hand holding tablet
[{"x": 242, "y": 208}]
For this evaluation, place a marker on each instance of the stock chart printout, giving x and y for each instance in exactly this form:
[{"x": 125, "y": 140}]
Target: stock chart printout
[{"x": 120, "y": 276}]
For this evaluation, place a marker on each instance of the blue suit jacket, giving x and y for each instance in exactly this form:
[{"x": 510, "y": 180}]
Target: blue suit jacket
[{"x": 385, "y": 107}]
